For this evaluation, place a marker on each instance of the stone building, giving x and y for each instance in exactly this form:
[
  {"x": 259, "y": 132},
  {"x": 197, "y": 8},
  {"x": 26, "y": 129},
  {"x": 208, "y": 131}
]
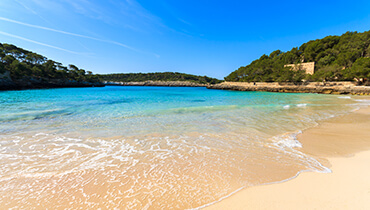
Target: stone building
[{"x": 308, "y": 67}]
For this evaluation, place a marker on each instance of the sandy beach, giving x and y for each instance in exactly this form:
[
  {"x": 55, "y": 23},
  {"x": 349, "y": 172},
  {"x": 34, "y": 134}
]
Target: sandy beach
[{"x": 342, "y": 144}]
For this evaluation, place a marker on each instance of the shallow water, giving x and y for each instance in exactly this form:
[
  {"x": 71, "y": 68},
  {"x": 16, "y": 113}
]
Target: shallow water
[{"x": 151, "y": 147}]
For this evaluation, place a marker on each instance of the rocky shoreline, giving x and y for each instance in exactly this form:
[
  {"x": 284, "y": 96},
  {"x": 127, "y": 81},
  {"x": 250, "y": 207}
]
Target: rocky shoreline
[
  {"x": 309, "y": 87},
  {"x": 6, "y": 83},
  {"x": 157, "y": 83}
]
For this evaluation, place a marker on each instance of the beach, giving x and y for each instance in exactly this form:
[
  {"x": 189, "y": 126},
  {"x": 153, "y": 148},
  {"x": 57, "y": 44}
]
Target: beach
[
  {"x": 184, "y": 105},
  {"x": 342, "y": 144},
  {"x": 120, "y": 147}
]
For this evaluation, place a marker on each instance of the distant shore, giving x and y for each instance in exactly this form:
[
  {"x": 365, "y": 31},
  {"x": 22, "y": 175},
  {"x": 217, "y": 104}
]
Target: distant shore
[
  {"x": 158, "y": 83},
  {"x": 310, "y": 87},
  {"x": 334, "y": 143}
]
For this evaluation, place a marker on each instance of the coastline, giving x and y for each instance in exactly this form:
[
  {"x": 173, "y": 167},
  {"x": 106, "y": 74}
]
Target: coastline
[
  {"x": 342, "y": 144},
  {"x": 157, "y": 83},
  {"x": 309, "y": 87}
]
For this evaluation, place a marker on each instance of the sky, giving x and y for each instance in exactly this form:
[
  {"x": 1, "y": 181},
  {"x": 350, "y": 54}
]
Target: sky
[{"x": 200, "y": 37}]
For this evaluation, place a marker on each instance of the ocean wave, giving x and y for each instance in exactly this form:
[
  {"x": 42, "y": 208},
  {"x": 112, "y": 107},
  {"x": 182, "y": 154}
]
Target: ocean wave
[
  {"x": 287, "y": 140},
  {"x": 200, "y": 109},
  {"x": 363, "y": 101},
  {"x": 288, "y": 143},
  {"x": 301, "y": 105}
]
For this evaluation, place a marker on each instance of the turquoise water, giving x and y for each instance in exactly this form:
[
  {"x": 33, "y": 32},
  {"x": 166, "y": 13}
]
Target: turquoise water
[{"x": 151, "y": 147}]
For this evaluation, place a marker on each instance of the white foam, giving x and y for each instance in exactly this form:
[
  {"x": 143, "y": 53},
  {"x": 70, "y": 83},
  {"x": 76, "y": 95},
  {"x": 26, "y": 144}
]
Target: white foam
[
  {"x": 363, "y": 101},
  {"x": 286, "y": 106},
  {"x": 345, "y": 97},
  {"x": 288, "y": 140},
  {"x": 301, "y": 105}
]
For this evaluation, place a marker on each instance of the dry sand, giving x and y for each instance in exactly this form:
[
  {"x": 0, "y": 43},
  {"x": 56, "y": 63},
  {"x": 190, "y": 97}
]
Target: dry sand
[{"x": 343, "y": 144}]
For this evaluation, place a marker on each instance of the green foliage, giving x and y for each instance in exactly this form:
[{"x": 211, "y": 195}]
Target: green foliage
[
  {"x": 336, "y": 58},
  {"x": 22, "y": 63},
  {"x": 329, "y": 73},
  {"x": 158, "y": 76},
  {"x": 361, "y": 69}
]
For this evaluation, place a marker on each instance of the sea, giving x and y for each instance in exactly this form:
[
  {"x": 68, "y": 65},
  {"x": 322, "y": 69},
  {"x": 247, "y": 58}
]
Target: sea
[{"x": 121, "y": 147}]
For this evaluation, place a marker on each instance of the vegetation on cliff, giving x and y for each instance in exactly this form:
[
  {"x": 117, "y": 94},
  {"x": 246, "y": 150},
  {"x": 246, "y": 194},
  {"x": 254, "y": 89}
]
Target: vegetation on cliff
[
  {"x": 337, "y": 58},
  {"x": 158, "y": 76},
  {"x": 24, "y": 65},
  {"x": 31, "y": 70}
]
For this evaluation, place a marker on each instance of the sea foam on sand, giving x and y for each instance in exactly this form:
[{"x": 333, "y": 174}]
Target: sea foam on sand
[{"x": 346, "y": 188}]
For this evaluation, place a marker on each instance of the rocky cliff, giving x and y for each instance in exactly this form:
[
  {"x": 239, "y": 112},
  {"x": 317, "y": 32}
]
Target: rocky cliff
[{"x": 311, "y": 87}]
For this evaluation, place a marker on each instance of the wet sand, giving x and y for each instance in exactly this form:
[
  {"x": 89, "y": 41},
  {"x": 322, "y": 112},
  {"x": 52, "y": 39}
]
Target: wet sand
[{"x": 342, "y": 144}]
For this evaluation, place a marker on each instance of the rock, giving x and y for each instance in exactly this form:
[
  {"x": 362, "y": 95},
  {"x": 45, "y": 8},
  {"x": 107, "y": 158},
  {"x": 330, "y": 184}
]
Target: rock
[{"x": 307, "y": 87}]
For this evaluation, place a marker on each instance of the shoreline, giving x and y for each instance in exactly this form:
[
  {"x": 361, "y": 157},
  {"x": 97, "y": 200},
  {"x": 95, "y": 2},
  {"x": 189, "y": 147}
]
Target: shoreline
[
  {"x": 309, "y": 87},
  {"x": 341, "y": 144},
  {"x": 337, "y": 88},
  {"x": 157, "y": 83}
]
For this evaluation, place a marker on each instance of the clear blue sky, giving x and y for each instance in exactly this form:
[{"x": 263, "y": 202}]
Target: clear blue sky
[{"x": 201, "y": 37}]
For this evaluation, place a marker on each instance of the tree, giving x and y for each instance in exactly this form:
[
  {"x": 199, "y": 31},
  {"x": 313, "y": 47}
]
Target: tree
[
  {"x": 329, "y": 73},
  {"x": 275, "y": 53},
  {"x": 25, "y": 65},
  {"x": 8, "y": 59},
  {"x": 72, "y": 67},
  {"x": 334, "y": 57},
  {"x": 361, "y": 70}
]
